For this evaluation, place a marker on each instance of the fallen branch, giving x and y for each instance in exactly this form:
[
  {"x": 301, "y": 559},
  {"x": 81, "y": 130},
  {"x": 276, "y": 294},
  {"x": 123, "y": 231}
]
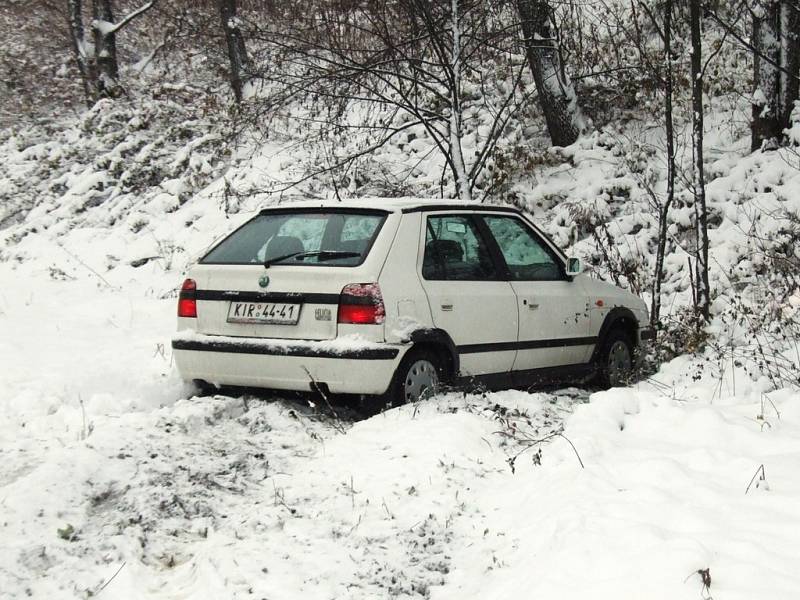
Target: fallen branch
[
  {"x": 317, "y": 388},
  {"x": 90, "y": 269},
  {"x": 705, "y": 577},
  {"x": 762, "y": 478},
  {"x": 530, "y": 442},
  {"x": 102, "y": 587},
  {"x": 561, "y": 435}
]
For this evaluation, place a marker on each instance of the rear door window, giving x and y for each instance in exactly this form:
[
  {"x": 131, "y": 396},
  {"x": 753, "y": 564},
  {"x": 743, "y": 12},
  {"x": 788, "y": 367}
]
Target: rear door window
[
  {"x": 341, "y": 239},
  {"x": 455, "y": 250}
]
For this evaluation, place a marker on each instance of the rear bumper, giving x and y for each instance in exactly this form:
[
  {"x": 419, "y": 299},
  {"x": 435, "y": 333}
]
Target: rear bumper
[{"x": 346, "y": 366}]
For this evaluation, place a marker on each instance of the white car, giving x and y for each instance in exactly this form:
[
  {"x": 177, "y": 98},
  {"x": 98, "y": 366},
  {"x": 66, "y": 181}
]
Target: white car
[{"x": 388, "y": 299}]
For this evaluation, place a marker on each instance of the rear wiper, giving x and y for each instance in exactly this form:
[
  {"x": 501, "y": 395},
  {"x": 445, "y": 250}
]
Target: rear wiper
[{"x": 322, "y": 255}]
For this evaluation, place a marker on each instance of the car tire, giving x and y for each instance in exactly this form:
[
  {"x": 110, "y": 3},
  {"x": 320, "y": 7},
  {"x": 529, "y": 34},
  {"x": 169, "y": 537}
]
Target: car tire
[
  {"x": 615, "y": 364},
  {"x": 203, "y": 389},
  {"x": 418, "y": 377}
]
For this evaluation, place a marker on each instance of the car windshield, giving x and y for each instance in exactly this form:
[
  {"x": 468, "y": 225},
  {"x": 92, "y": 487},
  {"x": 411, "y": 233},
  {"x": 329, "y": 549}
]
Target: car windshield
[{"x": 333, "y": 238}]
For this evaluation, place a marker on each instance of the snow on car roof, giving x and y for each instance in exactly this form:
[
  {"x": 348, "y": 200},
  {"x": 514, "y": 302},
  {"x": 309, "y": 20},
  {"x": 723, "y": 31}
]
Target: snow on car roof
[{"x": 405, "y": 204}]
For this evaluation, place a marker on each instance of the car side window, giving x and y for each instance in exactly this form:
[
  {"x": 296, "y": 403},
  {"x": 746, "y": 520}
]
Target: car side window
[
  {"x": 528, "y": 257},
  {"x": 455, "y": 251}
]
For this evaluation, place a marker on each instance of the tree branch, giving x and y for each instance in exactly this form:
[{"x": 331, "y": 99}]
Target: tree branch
[{"x": 107, "y": 29}]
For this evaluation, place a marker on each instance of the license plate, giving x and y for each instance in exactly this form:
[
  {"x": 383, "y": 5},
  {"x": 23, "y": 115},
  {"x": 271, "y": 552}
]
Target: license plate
[{"x": 275, "y": 313}]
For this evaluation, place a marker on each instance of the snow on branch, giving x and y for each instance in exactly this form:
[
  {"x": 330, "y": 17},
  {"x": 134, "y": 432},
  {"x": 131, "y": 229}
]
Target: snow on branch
[{"x": 106, "y": 28}]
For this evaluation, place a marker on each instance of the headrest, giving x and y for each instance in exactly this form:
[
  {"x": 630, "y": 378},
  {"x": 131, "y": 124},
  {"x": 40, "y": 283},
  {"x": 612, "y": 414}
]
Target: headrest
[
  {"x": 446, "y": 250},
  {"x": 281, "y": 245}
]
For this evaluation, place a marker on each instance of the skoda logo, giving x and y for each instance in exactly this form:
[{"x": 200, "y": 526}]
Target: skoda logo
[{"x": 263, "y": 281}]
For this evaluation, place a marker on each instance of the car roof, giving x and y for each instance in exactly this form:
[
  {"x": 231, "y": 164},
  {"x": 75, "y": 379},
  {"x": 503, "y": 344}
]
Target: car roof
[{"x": 405, "y": 205}]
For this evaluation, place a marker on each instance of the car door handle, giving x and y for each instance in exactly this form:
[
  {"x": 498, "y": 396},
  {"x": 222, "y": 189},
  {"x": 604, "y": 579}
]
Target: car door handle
[
  {"x": 447, "y": 307},
  {"x": 530, "y": 304}
]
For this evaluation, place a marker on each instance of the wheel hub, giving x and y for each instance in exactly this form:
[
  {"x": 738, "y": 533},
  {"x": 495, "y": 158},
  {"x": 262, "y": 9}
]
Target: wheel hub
[
  {"x": 619, "y": 363},
  {"x": 421, "y": 381}
]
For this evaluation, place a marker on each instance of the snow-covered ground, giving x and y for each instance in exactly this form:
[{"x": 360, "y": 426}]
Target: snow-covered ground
[{"x": 114, "y": 483}]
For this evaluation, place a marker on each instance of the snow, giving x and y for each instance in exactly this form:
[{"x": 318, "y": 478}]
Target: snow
[
  {"x": 106, "y": 28},
  {"x": 339, "y": 345},
  {"x": 116, "y": 481},
  {"x": 759, "y": 99},
  {"x": 793, "y": 133},
  {"x": 111, "y": 475}
]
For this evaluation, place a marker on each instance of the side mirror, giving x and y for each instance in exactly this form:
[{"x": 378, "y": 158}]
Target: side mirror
[{"x": 574, "y": 267}]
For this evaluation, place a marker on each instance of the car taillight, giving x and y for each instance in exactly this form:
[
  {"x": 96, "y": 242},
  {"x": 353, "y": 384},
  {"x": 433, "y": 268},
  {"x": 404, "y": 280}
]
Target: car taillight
[
  {"x": 187, "y": 300},
  {"x": 361, "y": 303}
]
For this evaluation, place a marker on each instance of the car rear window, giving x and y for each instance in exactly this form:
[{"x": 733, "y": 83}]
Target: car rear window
[{"x": 334, "y": 238}]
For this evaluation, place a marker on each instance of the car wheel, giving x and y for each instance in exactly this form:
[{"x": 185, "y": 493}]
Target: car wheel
[
  {"x": 418, "y": 377},
  {"x": 202, "y": 388},
  {"x": 615, "y": 364},
  {"x": 419, "y": 380}
]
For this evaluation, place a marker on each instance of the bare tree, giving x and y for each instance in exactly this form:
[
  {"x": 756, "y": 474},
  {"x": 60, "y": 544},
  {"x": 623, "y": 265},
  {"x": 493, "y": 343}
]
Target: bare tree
[
  {"x": 79, "y": 46},
  {"x": 663, "y": 209},
  {"x": 237, "y": 52},
  {"x": 456, "y": 112},
  {"x": 776, "y": 69},
  {"x": 420, "y": 61},
  {"x": 96, "y": 56},
  {"x": 105, "y": 46},
  {"x": 556, "y": 93},
  {"x": 702, "y": 292},
  {"x": 34, "y": 78}
]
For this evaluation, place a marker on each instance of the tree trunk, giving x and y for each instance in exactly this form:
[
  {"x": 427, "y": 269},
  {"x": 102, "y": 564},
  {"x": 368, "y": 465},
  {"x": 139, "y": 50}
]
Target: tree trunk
[
  {"x": 105, "y": 49},
  {"x": 776, "y": 68},
  {"x": 703, "y": 297},
  {"x": 556, "y": 92},
  {"x": 237, "y": 52},
  {"x": 97, "y": 61},
  {"x": 663, "y": 213},
  {"x": 456, "y": 116},
  {"x": 79, "y": 47},
  {"x": 791, "y": 58}
]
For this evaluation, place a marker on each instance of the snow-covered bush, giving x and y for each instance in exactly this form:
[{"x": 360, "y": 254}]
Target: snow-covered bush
[{"x": 122, "y": 155}]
